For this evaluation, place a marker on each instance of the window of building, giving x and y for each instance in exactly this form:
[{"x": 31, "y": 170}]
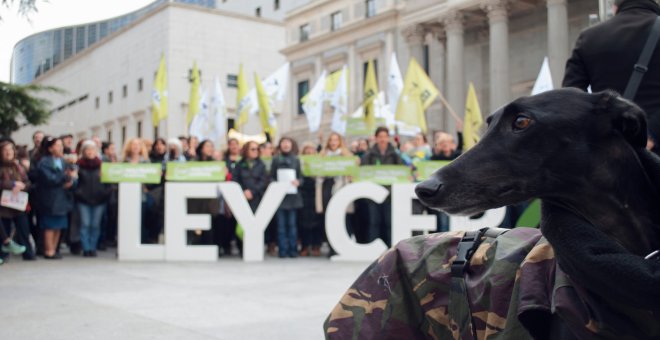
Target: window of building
[
  {"x": 57, "y": 47},
  {"x": 124, "y": 91},
  {"x": 91, "y": 34},
  {"x": 139, "y": 85},
  {"x": 110, "y": 97},
  {"x": 68, "y": 42},
  {"x": 371, "y": 8},
  {"x": 303, "y": 89},
  {"x": 232, "y": 80},
  {"x": 276, "y": 5},
  {"x": 155, "y": 132},
  {"x": 80, "y": 38},
  {"x": 426, "y": 61},
  {"x": 139, "y": 129},
  {"x": 109, "y": 135},
  {"x": 257, "y": 12},
  {"x": 364, "y": 70},
  {"x": 103, "y": 30},
  {"x": 305, "y": 30},
  {"x": 123, "y": 135},
  {"x": 335, "y": 20},
  {"x": 97, "y": 102},
  {"x": 231, "y": 123}
]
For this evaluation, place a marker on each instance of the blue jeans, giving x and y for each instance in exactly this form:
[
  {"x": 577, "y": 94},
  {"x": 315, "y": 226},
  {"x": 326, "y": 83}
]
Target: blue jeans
[
  {"x": 287, "y": 233},
  {"x": 90, "y": 224}
]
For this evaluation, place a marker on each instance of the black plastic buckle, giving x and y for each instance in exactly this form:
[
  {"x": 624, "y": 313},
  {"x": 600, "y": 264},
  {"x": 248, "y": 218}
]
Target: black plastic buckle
[
  {"x": 640, "y": 68},
  {"x": 464, "y": 253}
]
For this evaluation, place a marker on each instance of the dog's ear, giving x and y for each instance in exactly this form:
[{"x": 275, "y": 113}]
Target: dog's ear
[{"x": 626, "y": 117}]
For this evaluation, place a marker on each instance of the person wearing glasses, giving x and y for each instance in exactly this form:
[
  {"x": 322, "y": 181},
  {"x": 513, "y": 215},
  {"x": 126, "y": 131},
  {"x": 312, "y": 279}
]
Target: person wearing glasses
[{"x": 250, "y": 173}]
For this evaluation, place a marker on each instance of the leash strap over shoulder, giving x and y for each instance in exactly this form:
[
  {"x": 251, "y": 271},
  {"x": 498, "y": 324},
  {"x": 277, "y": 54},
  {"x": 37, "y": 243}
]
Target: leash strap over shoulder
[
  {"x": 459, "y": 303},
  {"x": 641, "y": 66}
]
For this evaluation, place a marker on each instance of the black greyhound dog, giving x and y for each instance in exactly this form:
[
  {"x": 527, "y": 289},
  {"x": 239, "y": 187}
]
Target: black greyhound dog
[
  {"x": 584, "y": 155},
  {"x": 585, "y": 277}
]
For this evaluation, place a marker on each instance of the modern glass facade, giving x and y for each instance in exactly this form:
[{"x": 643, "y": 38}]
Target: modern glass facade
[{"x": 39, "y": 53}]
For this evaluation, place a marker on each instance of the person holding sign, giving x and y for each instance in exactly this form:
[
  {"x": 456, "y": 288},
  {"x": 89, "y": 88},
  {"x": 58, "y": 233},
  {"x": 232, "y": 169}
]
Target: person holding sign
[
  {"x": 286, "y": 168},
  {"x": 15, "y": 185},
  {"x": 380, "y": 218},
  {"x": 54, "y": 194},
  {"x": 311, "y": 226}
]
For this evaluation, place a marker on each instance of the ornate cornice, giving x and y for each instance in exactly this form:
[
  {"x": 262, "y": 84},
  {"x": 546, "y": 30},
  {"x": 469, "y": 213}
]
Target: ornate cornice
[
  {"x": 497, "y": 10},
  {"x": 453, "y": 21},
  {"x": 414, "y": 34}
]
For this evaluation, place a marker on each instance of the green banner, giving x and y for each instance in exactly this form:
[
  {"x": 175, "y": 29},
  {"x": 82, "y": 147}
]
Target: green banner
[
  {"x": 126, "y": 172},
  {"x": 383, "y": 174},
  {"x": 356, "y": 126},
  {"x": 313, "y": 165},
  {"x": 195, "y": 171},
  {"x": 426, "y": 168}
]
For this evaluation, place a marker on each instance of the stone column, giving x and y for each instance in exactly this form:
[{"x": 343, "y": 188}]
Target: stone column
[
  {"x": 415, "y": 40},
  {"x": 456, "y": 87},
  {"x": 438, "y": 119},
  {"x": 558, "y": 49},
  {"x": 500, "y": 87}
]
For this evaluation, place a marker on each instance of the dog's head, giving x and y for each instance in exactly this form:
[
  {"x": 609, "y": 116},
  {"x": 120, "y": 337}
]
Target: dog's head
[{"x": 538, "y": 146}]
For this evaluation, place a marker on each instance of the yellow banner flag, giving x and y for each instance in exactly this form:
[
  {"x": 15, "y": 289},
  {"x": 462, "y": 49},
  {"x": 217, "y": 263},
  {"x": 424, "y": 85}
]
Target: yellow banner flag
[
  {"x": 417, "y": 95},
  {"x": 242, "y": 101},
  {"x": 193, "y": 102},
  {"x": 472, "y": 121},
  {"x": 370, "y": 94},
  {"x": 159, "y": 93},
  {"x": 266, "y": 116}
]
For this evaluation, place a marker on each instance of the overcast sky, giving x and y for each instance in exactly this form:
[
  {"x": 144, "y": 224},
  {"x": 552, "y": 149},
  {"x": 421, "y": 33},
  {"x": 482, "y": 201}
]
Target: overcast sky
[{"x": 54, "y": 14}]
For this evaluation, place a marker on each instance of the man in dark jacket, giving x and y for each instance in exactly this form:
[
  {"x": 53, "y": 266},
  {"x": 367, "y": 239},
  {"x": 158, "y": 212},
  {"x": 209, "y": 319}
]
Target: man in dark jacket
[
  {"x": 604, "y": 56},
  {"x": 379, "y": 215}
]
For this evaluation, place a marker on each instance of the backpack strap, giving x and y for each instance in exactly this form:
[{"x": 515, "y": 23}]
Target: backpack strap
[
  {"x": 641, "y": 66},
  {"x": 459, "y": 303}
]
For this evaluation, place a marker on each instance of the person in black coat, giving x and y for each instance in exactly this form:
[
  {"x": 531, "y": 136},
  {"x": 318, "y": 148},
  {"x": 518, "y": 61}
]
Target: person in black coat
[
  {"x": 287, "y": 160},
  {"x": 91, "y": 197},
  {"x": 604, "y": 56}
]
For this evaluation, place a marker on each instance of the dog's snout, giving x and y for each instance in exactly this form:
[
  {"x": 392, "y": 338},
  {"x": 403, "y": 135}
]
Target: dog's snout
[{"x": 428, "y": 189}]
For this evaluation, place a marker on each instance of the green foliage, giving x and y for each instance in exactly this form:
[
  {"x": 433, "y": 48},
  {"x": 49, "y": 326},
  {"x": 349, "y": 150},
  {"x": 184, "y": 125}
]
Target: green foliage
[
  {"x": 19, "y": 106},
  {"x": 25, "y": 7}
]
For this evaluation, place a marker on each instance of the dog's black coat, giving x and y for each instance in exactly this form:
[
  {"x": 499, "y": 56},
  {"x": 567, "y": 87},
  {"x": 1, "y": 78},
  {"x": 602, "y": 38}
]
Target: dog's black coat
[{"x": 584, "y": 156}]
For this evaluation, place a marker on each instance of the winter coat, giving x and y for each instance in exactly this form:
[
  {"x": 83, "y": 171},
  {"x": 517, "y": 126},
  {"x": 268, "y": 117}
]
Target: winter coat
[
  {"x": 291, "y": 201},
  {"x": 90, "y": 190},
  {"x": 604, "y": 56},
  {"x": 10, "y": 173},
  {"x": 51, "y": 196},
  {"x": 374, "y": 157},
  {"x": 252, "y": 177}
]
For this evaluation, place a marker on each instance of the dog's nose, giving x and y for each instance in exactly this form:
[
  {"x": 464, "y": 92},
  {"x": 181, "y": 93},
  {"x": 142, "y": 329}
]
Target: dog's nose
[{"x": 428, "y": 189}]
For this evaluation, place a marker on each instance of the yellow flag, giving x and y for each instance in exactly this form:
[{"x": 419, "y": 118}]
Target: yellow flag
[
  {"x": 418, "y": 93},
  {"x": 370, "y": 94},
  {"x": 193, "y": 102},
  {"x": 242, "y": 99},
  {"x": 472, "y": 121},
  {"x": 266, "y": 116},
  {"x": 159, "y": 93}
]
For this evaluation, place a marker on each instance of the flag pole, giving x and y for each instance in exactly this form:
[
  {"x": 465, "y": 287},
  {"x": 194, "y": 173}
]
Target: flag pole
[{"x": 449, "y": 108}]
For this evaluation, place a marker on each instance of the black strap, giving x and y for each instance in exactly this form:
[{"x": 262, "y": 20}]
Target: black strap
[
  {"x": 642, "y": 64},
  {"x": 459, "y": 304}
]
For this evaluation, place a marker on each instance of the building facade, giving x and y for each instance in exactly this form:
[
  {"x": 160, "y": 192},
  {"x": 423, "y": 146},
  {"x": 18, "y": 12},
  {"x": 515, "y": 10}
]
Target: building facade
[
  {"x": 498, "y": 45},
  {"x": 109, "y": 84}
]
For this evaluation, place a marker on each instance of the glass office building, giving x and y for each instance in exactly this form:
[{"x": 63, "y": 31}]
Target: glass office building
[{"x": 39, "y": 53}]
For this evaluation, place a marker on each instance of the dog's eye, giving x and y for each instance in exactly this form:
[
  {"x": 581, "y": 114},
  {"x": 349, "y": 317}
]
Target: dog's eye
[{"x": 521, "y": 123}]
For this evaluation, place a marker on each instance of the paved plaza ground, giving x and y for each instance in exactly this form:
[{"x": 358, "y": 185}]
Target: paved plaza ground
[{"x": 102, "y": 298}]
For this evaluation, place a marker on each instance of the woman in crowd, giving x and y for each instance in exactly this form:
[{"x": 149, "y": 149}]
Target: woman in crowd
[
  {"x": 311, "y": 226},
  {"x": 270, "y": 235},
  {"x": 204, "y": 153},
  {"x": 286, "y": 168},
  {"x": 158, "y": 151},
  {"x": 91, "y": 197},
  {"x": 54, "y": 193},
  {"x": 328, "y": 186},
  {"x": 175, "y": 151},
  {"x": 14, "y": 178},
  {"x": 250, "y": 173},
  {"x": 135, "y": 152},
  {"x": 446, "y": 149},
  {"x": 227, "y": 222}
]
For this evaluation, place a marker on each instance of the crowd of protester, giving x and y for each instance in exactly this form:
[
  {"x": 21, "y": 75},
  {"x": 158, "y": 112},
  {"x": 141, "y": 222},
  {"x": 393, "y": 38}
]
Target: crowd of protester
[{"x": 69, "y": 205}]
